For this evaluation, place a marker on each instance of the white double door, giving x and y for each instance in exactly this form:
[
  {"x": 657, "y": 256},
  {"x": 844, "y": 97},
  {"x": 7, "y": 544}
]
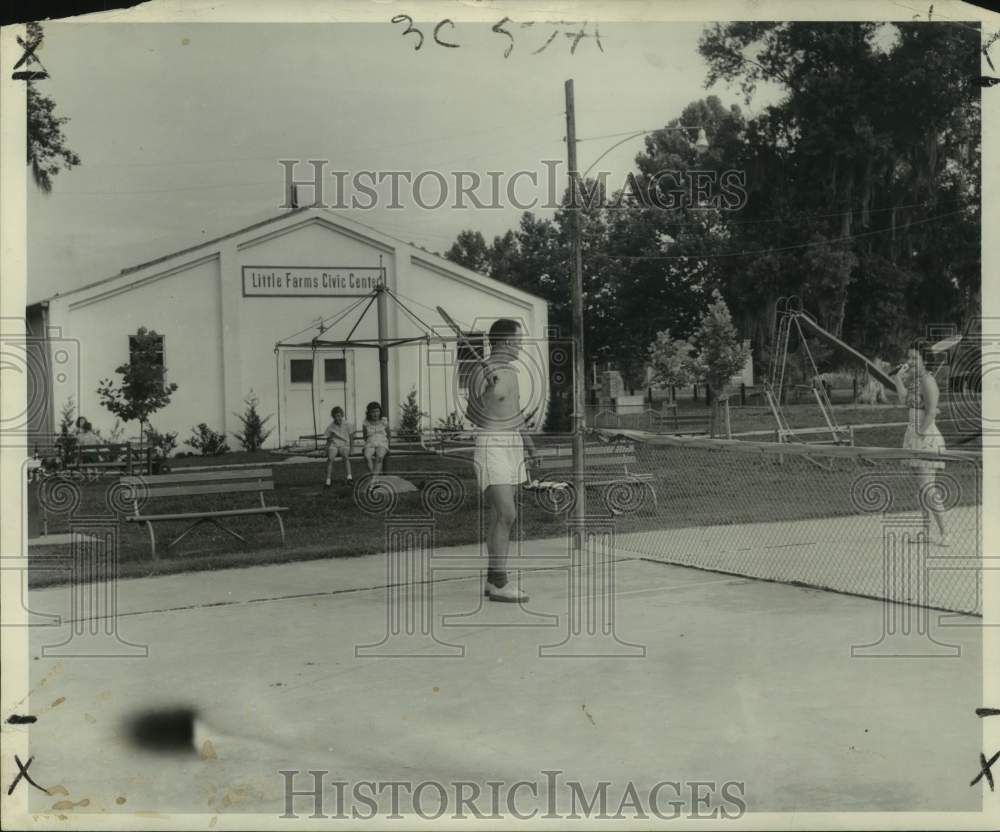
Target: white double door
[{"x": 314, "y": 382}]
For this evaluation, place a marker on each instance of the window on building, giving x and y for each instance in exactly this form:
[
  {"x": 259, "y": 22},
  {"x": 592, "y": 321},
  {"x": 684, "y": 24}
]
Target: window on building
[
  {"x": 300, "y": 371},
  {"x": 334, "y": 370},
  {"x": 469, "y": 357},
  {"x": 133, "y": 345}
]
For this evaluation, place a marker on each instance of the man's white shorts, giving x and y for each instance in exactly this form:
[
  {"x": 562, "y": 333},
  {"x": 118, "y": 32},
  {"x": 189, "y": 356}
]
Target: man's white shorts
[{"x": 499, "y": 458}]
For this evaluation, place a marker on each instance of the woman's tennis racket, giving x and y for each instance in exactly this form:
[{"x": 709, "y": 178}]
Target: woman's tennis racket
[{"x": 945, "y": 344}]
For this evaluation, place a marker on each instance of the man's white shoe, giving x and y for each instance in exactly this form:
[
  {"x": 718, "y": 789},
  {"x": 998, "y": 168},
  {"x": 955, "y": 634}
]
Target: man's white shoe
[{"x": 509, "y": 593}]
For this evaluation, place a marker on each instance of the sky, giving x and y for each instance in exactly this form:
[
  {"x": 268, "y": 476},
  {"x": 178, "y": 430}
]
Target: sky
[{"x": 180, "y": 126}]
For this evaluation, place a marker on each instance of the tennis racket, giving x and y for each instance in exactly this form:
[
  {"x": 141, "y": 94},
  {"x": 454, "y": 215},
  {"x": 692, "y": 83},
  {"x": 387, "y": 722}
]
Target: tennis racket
[
  {"x": 465, "y": 342},
  {"x": 945, "y": 344}
]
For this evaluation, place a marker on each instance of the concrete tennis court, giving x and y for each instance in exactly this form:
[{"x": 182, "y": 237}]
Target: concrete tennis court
[{"x": 741, "y": 680}]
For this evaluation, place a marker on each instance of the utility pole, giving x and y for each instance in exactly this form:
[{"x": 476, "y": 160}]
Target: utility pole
[
  {"x": 579, "y": 367},
  {"x": 383, "y": 349}
]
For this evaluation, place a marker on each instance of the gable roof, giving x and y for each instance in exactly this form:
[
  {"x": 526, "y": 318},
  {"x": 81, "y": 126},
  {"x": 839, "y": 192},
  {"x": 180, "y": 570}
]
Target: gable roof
[
  {"x": 165, "y": 257},
  {"x": 330, "y": 216}
]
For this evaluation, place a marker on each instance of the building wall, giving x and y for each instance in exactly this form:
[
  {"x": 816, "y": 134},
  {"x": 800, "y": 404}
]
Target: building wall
[
  {"x": 220, "y": 344},
  {"x": 40, "y": 418},
  {"x": 182, "y": 303}
]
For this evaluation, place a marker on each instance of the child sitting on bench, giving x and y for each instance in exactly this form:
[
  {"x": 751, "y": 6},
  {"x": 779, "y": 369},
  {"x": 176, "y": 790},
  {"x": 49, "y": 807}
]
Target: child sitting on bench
[{"x": 376, "y": 434}]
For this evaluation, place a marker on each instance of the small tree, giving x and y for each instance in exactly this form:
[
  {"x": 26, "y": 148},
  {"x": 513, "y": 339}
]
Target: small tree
[
  {"x": 410, "y": 417},
  {"x": 252, "y": 436},
  {"x": 143, "y": 388},
  {"x": 721, "y": 353},
  {"x": 672, "y": 361}
]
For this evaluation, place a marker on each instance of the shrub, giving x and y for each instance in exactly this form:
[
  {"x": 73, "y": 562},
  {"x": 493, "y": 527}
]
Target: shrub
[
  {"x": 161, "y": 443},
  {"x": 115, "y": 437},
  {"x": 453, "y": 424},
  {"x": 410, "y": 417},
  {"x": 207, "y": 441},
  {"x": 253, "y": 435}
]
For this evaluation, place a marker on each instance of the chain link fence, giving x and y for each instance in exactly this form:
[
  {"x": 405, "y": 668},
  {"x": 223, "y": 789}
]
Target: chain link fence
[{"x": 823, "y": 516}]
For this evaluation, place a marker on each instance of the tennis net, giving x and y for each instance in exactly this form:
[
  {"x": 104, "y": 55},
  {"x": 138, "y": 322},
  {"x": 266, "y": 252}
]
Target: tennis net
[{"x": 838, "y": 518}]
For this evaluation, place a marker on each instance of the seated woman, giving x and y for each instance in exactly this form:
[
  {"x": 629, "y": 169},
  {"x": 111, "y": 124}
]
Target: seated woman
[
  {"x": 376, "y": 435},
  {"x": 86, "y": 441},
  {"x": 85, "y": 433}
]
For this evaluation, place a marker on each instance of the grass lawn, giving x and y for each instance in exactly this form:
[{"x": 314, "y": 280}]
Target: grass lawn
[
  {"x": 320, "y": 522},
  {"x": 694, "y": 487}
]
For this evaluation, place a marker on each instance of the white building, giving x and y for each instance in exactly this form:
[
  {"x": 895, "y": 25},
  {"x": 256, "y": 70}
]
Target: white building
[{"x": 222, "y": 308}]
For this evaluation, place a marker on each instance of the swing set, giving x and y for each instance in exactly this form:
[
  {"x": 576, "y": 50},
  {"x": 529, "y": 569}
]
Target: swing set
[{"x": 791, "y": 317}]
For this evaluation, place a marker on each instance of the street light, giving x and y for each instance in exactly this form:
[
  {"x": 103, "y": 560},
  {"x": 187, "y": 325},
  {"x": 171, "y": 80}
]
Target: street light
[{"x": 700, "y": 144}]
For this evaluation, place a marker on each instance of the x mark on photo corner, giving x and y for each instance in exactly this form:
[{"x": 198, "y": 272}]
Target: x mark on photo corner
[
  {"x": 22, "y": 772},
  {"x": 985, "y": 766}
]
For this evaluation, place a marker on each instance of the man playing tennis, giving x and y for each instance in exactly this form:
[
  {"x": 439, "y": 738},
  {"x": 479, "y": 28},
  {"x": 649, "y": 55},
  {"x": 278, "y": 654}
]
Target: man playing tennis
[{"x": 494, "y": 406}]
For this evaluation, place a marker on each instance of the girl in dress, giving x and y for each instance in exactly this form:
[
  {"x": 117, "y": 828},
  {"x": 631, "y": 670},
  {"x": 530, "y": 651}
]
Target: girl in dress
[{"x": 376, "y": 435}]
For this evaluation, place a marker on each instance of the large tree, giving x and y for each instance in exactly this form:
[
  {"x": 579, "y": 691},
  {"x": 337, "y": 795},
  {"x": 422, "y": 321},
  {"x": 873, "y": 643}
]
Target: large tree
[
  {"x": 864, "y": 179},
  {"x": 470, "y": 250},
  {"x": 862, "y": 197},
  {"x": 46, "y": 144}
]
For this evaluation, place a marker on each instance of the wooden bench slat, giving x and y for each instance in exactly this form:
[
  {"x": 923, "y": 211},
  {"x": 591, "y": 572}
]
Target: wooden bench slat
[
  {"x": 589, "y": 450},
  {"x": 209, "y": 476},
  {"x": 182, "y": 490},
  {"x": 232, "y": 512},
  {"x": 560, "y": 463},
  {"x": 621, "y": 478}
]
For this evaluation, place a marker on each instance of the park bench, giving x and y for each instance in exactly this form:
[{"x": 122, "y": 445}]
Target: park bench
[
  {"x": 92, "y": 459},
  {"x": 228, "y": 481},
  {"x": 116, "y": 459},
  {"x": 606, "y": 464},
  {"x": 318, "y": 442},
  {"x": 670, "y": 421}
]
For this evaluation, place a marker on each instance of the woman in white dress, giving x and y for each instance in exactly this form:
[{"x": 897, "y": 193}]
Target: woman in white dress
[{"x": 919, "y": 390}]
